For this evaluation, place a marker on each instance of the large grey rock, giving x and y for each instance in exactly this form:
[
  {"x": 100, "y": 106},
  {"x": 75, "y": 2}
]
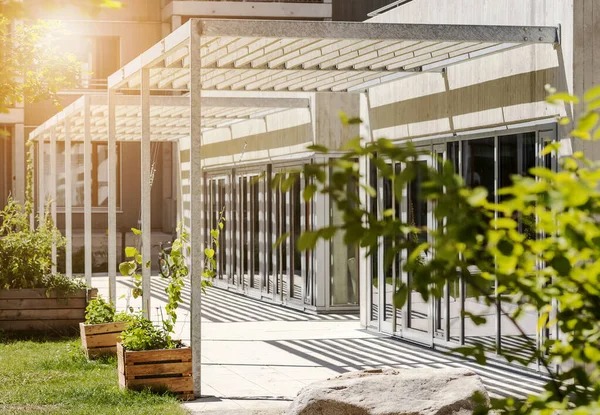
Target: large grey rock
[{"x": 392, "y": 392}]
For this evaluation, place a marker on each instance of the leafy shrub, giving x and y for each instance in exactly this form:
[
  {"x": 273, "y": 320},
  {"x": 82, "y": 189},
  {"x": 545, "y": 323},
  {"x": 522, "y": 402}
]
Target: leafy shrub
[
  {"x": 99, "y": 311},
  {"x": 142, "y": 335},
  {"x": 25, "y": 253},
  {"x": 62, "y": 284}
]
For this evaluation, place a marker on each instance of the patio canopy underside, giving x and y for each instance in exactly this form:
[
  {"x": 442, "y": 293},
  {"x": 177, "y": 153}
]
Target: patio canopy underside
[
  {"x": 242, "y": 55},
  {"x": 169, "y": 116},
  {"x": 253, "y": 60}
]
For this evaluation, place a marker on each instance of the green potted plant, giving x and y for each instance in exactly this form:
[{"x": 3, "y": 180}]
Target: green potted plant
[
  {"x": 102, "y": 328},
  {"x": 31, "y": 297},
  {"x": 148, "y": 356}
]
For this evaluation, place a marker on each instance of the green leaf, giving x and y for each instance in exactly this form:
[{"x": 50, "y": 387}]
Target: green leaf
[
  {"x": 317, "y": 148},
  {"x": 348, "y": 120},
  {"x": 592, "y": 94},
  {"x": 309, "y": 192},
  {"x": 561, "y": 265},
  {"x": 281, "y": 239},
  {"x": 111, "y": 4},
  {"x": 592, "y": 353},
  {"x": 477, "y": 196},
  {"x": 308, "y": 240},
  {"x": 476, "y": 319},
  {"x": 551, "y": 148},
  {"x": 288, "y": 182},
  {"x": 594, "y": 105},
  {"x": 130, "y": 252},
  {"x": 400, "y": 295},
  {"x": 136, "y": 231},
  {"x": 504, "y": 223},
  {"x": 354, "y": 144},
  {"x": 369, "y": 190},
  {"x": 585, "y": 124},
  {"x": 542, "y": 320},
  {"x": 562, "y": 97},
  {"x": 505, "y": 246},
  {"x": 209, "y": 252},
  {"x": 126, "y": 268}
]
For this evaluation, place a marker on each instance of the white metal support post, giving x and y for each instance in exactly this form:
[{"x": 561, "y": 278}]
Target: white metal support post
[
  {"x": 112, "y": 197},
  {"x": 41, "y": 180},
  {"x": 195, "y": 208},
  {"x": 53, "y": 180},
  {"x": 87, "y": 191},
  {"x": 364, "y": 271},
  {"x": 19, "y": 163},
  {"x": 146, "y": 191},
  {"x": 68, "y": 202}
]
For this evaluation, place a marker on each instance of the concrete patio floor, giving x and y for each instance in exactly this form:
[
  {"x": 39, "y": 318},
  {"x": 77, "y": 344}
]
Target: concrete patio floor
[{"x": 257, "y": 356}]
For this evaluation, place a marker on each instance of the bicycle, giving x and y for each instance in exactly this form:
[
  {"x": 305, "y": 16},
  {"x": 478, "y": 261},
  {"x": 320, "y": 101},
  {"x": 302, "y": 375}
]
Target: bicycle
[{"x": 163, "y": 259}]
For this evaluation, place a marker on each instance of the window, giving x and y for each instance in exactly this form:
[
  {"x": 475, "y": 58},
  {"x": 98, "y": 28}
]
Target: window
[
  {"x": 99, "y": 57},
  {"x": 99, "y": 174}
]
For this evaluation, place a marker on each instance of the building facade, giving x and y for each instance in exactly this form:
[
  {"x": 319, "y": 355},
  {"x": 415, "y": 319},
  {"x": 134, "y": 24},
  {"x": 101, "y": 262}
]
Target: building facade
[{"x": 465, "y": 80}]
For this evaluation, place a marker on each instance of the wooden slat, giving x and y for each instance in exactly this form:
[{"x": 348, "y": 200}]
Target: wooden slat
[
  {"x": 37, "y": 293},
  {"x": 42, "y": 314},
  {"x": 182, "y": 368},
  {"x": 103, "y": 340},
  {"x": 43, "y": 303},
  {"x": 83, "y": 337},
  {"x": 115, "y": 327},
  {"x": 174, "y": 384},
  {"x": 40, "y": 325},
  {"x": 184, "y": 354}
]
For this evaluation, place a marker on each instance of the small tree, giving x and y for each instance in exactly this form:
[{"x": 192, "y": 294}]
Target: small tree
[
  {"x": 552, "y": 267},
  {"x": 34, "y": 65}
]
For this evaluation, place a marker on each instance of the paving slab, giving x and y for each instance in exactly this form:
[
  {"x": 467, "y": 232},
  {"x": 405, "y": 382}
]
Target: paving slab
[{"x": 256, "y": 356}]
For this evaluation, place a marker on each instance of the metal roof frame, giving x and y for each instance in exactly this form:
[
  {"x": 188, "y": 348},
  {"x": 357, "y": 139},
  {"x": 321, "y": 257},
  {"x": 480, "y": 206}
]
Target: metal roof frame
[
  {"x": 246, "y": 55},
  {"x": 169, "y": 119}
]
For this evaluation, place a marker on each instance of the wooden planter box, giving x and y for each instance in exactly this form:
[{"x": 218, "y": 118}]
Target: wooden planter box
[
  {"x": 100, "y": 339},
  {"x": 37, "y": 310},
  {"x": 157, "y": 370}
]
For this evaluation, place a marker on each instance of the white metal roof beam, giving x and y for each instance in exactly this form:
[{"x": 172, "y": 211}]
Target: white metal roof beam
[
  {"x": 251, "y": 9},
  {"x": 377, "y": 31}
]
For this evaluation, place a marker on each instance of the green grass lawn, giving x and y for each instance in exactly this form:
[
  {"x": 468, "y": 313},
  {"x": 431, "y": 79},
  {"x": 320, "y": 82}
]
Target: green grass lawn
[{"x": 52, "y": 377}]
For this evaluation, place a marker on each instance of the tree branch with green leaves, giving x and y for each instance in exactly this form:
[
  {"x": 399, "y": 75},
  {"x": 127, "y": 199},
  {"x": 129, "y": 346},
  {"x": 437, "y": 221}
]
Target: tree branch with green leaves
[{"x": 551, "y": 267}]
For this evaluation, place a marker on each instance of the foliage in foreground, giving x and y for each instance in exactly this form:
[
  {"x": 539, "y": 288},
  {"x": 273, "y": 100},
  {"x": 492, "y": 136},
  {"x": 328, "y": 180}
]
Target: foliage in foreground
[
  {"x": 538, "y": 263},
  {"x": 52, "y": 377}
]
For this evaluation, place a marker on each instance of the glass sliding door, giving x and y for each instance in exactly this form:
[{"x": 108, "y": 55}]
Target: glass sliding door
[
  {"x": 417, "y": 212},
  {"x": 343, "y": 285},
  {"x": 386, "y": 260},
  {"x": 374, "y": 257},
  {"x": 232, "y": 229},
  {"x": 254, "y": 231},
  {"x": 291, "y": 277},
  {"x": 216, "y": 203},
  {"x": 479, "y": 169}
]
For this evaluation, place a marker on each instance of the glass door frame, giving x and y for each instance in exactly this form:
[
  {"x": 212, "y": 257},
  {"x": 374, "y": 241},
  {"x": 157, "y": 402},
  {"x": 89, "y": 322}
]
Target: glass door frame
[{"x": 421, "y": 336}]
